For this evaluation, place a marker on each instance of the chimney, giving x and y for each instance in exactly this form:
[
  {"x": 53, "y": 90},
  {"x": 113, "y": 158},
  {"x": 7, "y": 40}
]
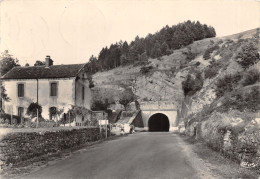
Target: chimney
[{"x": 48, "y": 61}]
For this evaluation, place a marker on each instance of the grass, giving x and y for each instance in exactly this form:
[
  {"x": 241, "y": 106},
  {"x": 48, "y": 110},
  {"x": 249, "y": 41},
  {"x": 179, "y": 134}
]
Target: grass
[{"x": 225, "y": 167}]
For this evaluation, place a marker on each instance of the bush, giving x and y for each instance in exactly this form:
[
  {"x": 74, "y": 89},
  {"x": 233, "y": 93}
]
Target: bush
[
  {"x": 227, "y": 84},
  {"x": 248, "y": 55},
  {"x": 99, "y": 105},
  {"x": 146, "y": 69},
  {"x": 209, "y": 50},
  {"x": 242, "y": 101},
  {"x": 212, "y": 70},
  {"x": 251, "y": 77},
  {"x": 192, "y": 84},
  {"x": 32, "y": 110},
  {"x": 189, "y": 55}
]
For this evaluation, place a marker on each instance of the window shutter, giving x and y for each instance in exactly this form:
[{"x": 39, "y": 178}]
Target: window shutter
[
  {"x": 83, "y": 93},
  {"x": 53, "y": 89},
  {"x": 20, "y": 90}
]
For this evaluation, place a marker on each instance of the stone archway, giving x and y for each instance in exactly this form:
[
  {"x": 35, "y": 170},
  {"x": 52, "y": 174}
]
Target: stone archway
[{"x": 158, "y": 122}]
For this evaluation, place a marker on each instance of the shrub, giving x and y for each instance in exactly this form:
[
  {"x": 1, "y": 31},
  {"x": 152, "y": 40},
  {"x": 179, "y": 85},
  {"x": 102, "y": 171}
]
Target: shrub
[
  {"x": 99, "y": 105},
  {"x": 192, "y": 84},
  {"x": 189, "y": 55},
  {"x": 146, "y": 69},
  {"x": 126, "y": 97},
  {"x": 251, "y": 77},
  {"x": 227, "y": 84},
  {"x": 242, "y": 101},
  {"x": 32, "y": 110},
  {"x": 248, "y": 55},
  {"x": 209, "y": 50},
  {"x": 212, "y": 70}
]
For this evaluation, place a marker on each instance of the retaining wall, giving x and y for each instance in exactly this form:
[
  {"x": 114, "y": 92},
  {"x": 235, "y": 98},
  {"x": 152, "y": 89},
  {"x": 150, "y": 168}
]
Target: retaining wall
[
  {"x": 234, "y": 137},
  {"x": 19, "y": 146}
]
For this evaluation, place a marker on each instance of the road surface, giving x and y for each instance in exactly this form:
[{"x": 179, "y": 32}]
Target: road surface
[{"x": 140, "y": 155}]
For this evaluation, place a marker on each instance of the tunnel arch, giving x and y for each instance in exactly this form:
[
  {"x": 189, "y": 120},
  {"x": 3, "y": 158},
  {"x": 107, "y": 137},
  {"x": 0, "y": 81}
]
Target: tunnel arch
[{"x": 158, "y": 123}]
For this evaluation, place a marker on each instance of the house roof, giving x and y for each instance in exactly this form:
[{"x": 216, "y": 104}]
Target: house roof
[{"x": 43, "y": 72}]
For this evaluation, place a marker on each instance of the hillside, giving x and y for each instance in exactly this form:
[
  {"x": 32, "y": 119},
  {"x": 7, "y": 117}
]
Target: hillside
[
  {"x": 163, "y": 76},
  {"x": 215, "y": 84}
]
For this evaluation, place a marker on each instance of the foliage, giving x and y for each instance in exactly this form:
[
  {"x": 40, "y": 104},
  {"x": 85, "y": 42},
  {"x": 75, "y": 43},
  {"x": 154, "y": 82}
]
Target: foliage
[
  {"x": 90, "y": 80},
  {"x": 146, "y": 69},
  {"x": 155, "y": 45},
  {"x": 227, "y": 84},
  {"x": 248, "y": 54},
  {"x": 247, "y": 101},
  {"x": 250, "y": 77},
  {"x": 32, "y": 110},
  {"x": 27, "y": 64},
  {"x": 212, "y": 70},
  {"x": 209, "y": 50},
  {"x": 99, "y": 105},
  {"x": 192, "y": 84},
  {"x": 7, "y": 62},
  {"x": 189, "y": 55},
  {"x": 39, "y": 63},
  {"x": 4, "y": 96},
  {"x": 127, "y": 97}
]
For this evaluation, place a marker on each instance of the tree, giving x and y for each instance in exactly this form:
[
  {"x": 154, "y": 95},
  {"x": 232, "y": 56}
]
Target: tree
[
  {"x": 127, "y": 97},
  {"x": 192, "y": 84},
  {"x": 27, "y": 64},
  {"x": 248, "y": 55},
  {"x": 7, "y": 62},
  {"x": 4, "y": 96},
  {"x": 32, "y": 110},
  {"x": 143, "y": 57},
  {"x": 99, "y": 105},
  {"x": 39, "y": 63}
]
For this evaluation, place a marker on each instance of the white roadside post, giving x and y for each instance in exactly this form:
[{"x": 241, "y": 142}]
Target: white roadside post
[
  {"x": 106, "y": 127},
  {"x": 100, "y": 130}
]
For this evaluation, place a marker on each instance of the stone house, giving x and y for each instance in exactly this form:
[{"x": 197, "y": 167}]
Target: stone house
[{"x": 52, "y": 86}]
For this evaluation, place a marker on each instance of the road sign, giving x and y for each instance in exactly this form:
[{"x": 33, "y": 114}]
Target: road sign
[{"x": 103, "y": 122}]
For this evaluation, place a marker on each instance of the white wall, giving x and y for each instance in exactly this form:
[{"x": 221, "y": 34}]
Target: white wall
[
  {"x": 82, "y": 81},
  {"x": 63, "y": 99}
]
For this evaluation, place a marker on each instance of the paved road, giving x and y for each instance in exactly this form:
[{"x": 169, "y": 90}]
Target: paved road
[{"x": 142, "y": 155}]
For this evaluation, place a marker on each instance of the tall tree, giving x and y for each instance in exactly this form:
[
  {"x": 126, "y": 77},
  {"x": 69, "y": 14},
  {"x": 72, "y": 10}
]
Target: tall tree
[{"x": 7, "y": 62}]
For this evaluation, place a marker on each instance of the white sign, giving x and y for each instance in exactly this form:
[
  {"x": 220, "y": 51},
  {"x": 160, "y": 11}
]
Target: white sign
[{"x": 102, "y": 122}]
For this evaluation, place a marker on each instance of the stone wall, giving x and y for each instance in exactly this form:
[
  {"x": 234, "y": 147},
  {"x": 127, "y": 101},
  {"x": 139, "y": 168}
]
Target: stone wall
[
  {"x": 232, "y": 134},
  {"x": 19, "y": 146}
]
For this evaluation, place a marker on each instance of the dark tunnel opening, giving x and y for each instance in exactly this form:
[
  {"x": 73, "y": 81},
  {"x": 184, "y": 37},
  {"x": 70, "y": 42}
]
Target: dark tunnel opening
[{"x": 158, "y": 123}]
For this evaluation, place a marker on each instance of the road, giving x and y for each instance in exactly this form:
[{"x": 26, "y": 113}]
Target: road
[{"x": 140, "y": 155}]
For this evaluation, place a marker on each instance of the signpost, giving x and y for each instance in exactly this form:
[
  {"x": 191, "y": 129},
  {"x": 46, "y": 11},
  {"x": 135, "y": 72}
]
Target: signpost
[
  {"x": 103, "y": 123},
  {"x": 37, "y": 118}
]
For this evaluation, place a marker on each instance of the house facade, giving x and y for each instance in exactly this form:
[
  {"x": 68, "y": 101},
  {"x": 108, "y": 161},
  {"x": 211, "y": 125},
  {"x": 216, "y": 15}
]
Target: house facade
[{"x": 52, "y": 86}]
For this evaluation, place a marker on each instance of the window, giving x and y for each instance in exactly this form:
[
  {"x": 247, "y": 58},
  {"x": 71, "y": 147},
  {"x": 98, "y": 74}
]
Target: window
[
  {"x": 20, "y": 90},
  {"x": 53, "y": 89},
  {"x": 83, "y": 93},
  {"x": 20, "y": 111}
]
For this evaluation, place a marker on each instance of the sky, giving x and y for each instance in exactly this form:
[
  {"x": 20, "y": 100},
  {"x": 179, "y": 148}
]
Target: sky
[{"x": 70, "y": 31}]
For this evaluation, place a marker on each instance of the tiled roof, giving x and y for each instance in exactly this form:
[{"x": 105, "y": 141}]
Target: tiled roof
[{"x": 43, "y": 72}]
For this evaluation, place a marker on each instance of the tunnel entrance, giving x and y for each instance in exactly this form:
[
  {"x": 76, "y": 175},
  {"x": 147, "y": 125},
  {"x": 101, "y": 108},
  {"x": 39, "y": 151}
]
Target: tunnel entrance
[{"x": 158, "y": 122}]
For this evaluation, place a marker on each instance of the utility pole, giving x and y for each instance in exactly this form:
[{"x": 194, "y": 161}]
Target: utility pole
[{"x": 37, "y": 118}]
